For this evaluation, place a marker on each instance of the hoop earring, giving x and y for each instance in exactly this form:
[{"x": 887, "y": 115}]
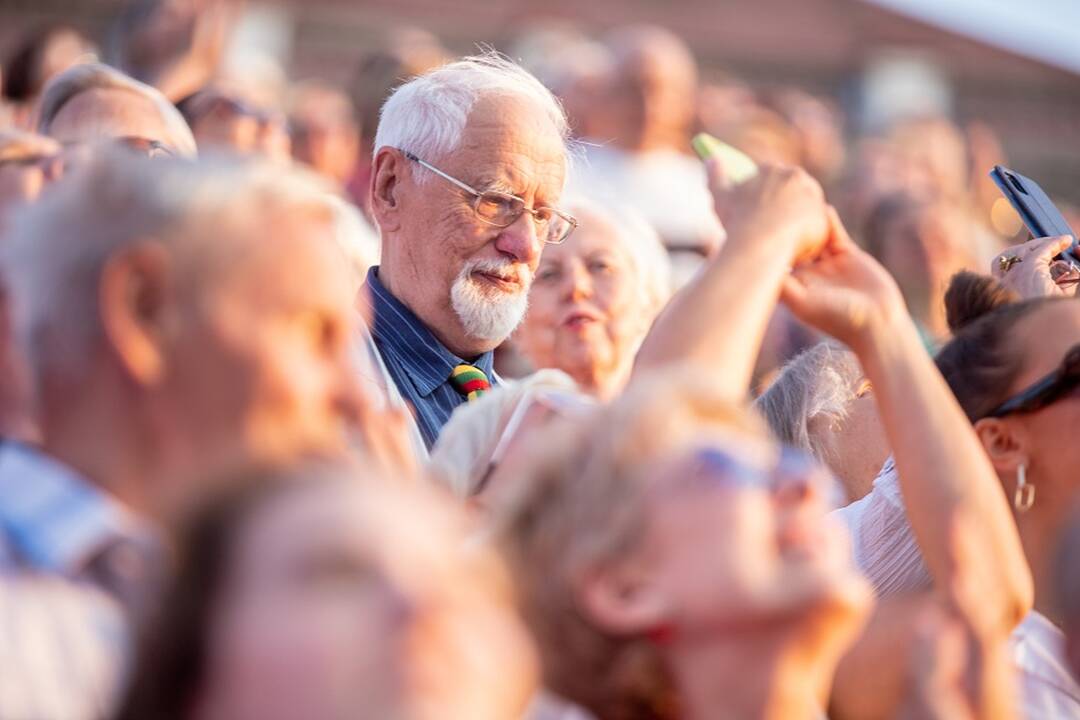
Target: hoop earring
[{"x": 1024, "y": 497}]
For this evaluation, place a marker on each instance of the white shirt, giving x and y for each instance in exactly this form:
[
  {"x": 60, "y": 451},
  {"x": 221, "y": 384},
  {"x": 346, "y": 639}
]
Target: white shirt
[
  {"x": 668, "y": 188},
  {"x": 885, "y": 550},
  {"x": 1048, "y": 690},
  {"x": 66, "y": 571}
]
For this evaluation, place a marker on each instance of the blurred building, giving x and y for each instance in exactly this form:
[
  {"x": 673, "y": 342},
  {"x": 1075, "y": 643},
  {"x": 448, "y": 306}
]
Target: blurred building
[{"x": 850, "y": 49}]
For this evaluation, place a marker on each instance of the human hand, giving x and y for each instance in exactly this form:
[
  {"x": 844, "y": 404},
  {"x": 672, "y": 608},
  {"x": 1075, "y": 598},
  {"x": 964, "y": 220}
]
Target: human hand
[
  {"x": 1030, "y": 270},
  {"x": 844, "y": 291},
  {"x": 782, "y": 205}
]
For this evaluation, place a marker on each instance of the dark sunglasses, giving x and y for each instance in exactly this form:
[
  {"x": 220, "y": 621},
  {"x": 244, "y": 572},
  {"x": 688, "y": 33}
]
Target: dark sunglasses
[{"x": 1046, "y": 390}]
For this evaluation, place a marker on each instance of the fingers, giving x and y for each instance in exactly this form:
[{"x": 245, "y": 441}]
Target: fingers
[{"x": 1047, "y": 248}]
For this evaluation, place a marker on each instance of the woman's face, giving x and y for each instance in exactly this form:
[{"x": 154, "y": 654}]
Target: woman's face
[
  {"x": 587, "y": 312},
  {"x": 739, "y": 536},
  {"x": 1052, "y": 453},
  {"x": 334, "y": 611}
]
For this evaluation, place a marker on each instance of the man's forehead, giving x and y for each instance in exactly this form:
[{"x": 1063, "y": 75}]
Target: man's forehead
[{"x": 513, "y": 140}]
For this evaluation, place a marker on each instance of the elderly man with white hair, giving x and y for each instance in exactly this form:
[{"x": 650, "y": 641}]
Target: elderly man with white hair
[
  {"x": 91, "y": 103},
  {"x": 470, "y": 162},
  {"x": 180, "y": 319}
]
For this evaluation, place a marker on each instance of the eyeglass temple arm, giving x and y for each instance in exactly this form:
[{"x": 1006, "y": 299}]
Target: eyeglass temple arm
[{"x": 440, "y": 173}]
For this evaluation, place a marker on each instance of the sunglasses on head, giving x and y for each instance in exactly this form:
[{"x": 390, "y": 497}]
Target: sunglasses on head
[{"x": 1045, "y": 391}]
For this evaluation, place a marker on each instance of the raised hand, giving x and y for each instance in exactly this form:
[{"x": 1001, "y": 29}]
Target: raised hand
[
  {"x": 843, "y": 291},
  {"x": 783, "y": 203}
]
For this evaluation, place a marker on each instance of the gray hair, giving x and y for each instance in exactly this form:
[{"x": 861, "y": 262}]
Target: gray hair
[
  {"x": 428, "y": 114},
  {"x": 58, "y": 247},
  {"x": 822, "y": 381},
  {"x": 95, "y": 76},
  {"x": 647, "y": 253}
]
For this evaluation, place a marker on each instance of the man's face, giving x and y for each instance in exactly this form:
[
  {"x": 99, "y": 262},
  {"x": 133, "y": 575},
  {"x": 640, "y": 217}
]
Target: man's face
[
  {"x": 106, "y": 114},
  {"x": 262, "y": 368},
  {"x": 474, "y": 277}
]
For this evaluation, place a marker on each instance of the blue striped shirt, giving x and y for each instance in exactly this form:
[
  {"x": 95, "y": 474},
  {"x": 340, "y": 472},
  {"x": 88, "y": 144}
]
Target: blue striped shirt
[
  {"x": 65, "y": 630},
  {"x": 418, "y": 363}
]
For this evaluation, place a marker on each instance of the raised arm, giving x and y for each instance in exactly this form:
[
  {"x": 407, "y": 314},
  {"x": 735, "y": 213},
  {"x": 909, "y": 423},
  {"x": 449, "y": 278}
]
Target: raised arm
[
  {"x": 719, "y": 319},
  {"x": 948, "y": 484}
]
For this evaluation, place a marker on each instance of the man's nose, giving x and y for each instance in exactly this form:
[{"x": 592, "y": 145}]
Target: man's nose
[{"x": 520, "y": 241}]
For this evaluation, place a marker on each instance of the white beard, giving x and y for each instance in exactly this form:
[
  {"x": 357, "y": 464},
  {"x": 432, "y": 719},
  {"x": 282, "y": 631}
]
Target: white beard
[{"x": 485, "y": 312}]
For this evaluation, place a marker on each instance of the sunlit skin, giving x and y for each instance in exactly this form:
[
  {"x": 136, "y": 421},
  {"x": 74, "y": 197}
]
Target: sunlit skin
[
  {"x": 1044, "y": 441},
  {"x": 430, "y": 230},
  {"x": 337, "y": 607},
  {"x": 228, "y": 355},
  {"x": 587, "y": 309},
  {"x": 103, "y": 114},
  {"x": 855, "y": 446},
  {"x": 265, "y": 358},
  {"x": 741, "y": 574}
]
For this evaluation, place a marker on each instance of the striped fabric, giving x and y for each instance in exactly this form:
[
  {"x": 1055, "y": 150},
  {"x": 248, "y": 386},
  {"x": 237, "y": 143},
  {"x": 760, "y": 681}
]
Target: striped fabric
[
  {"x": 64, "y": 634},
  {"x": 418, "y": 363}
]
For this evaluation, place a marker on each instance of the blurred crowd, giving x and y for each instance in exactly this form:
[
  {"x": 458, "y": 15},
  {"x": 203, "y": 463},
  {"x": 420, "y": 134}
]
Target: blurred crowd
[{"x": 467, "y": 390}]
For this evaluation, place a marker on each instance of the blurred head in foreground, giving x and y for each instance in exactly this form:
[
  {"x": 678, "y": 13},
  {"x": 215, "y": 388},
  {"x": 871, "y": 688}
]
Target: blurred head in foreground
[
  {"x": 665, "y": 532},
  {"x": 322, "y": 592},
  {"x": 179, "y": 318},
  {"x": 595, "y": 297}
]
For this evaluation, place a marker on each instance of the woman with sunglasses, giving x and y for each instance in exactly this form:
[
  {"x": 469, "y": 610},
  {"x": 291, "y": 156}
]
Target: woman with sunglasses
[{"x": 1014, "y": 366}]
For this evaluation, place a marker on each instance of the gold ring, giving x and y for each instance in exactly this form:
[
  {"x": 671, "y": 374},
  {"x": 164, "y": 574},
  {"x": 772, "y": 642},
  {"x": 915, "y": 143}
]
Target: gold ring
[{"x": 1005, "y": 262}]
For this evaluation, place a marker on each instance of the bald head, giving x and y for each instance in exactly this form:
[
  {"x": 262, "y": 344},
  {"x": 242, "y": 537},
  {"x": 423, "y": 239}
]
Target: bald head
[
  {"x": 652, "y": 88},
  {"x": 90, "y": 103},
  {"x": 205, "y": 304}
]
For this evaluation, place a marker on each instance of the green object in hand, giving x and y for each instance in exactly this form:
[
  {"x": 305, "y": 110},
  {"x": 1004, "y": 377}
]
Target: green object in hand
[{"x": 738, "y": 166}]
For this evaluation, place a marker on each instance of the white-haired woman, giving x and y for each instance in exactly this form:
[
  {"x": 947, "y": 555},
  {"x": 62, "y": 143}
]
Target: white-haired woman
[
  {"x": 821, "y": 402},
  {"x": 595, "y": 297}
]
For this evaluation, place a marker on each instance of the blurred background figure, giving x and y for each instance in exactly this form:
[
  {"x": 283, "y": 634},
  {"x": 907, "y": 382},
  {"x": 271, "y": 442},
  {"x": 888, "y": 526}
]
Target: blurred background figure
[
  {"x": 93, "y": 103},
  {"x": 923, "y": 241},
  {"x": 595, "y": 297},
  {"x": 324, "y": 130},
  {"x": 40, "y": 54},
  {"x": 175, "y": 45},
  {"x": 323, "y": 592},
  {"x": 223, "y": 119},
  {"x": 28, "y": 163},
  {"x": 638, "y": 150},
  {"x": 405, "y": 53}
]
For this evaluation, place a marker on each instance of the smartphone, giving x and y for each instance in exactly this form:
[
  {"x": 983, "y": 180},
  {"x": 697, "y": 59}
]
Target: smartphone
[{"x": 1040, "y": 215}]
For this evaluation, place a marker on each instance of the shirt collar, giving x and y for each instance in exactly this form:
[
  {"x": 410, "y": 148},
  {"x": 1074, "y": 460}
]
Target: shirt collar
[
  {"x": 427, "y": 362},
  {"x": 54, "y": 518}
]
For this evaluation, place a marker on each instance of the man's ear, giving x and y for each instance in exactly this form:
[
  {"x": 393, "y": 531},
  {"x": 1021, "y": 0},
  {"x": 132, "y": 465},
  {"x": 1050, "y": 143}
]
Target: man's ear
[
  {"x": 386, "y": 175},
  {"x": 623, "y": 599},
  {"x": 1005, "y": 443},
  {"x": 133, "y": 302}
]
